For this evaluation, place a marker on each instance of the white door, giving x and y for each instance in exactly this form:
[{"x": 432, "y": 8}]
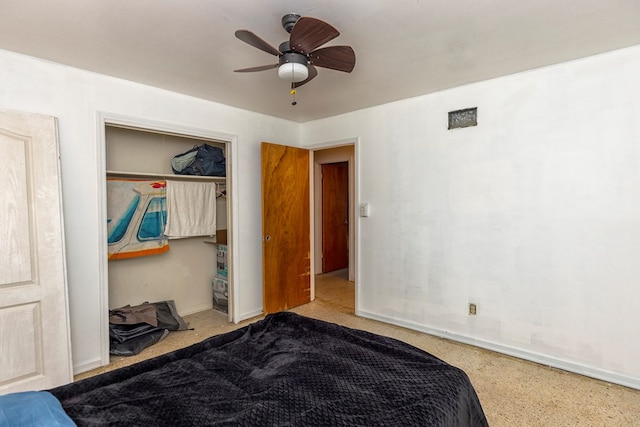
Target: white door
[{"x": 35, "y": 351}]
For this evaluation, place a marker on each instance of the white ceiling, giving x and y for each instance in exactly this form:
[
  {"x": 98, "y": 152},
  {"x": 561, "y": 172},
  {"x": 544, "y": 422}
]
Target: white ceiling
[{"x": 404, "y": 48}]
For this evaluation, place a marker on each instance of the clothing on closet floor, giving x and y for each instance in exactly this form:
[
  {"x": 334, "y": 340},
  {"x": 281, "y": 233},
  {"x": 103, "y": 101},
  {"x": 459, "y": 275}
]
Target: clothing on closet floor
[{"x": 132, "y": 328}]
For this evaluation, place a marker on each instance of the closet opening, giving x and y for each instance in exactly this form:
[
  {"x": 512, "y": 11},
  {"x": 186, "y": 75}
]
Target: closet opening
[{"x": 193, "y": 267}]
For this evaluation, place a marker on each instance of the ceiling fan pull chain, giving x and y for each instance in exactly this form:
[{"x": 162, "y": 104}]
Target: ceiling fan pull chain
[{"x": 293, "y": 94}]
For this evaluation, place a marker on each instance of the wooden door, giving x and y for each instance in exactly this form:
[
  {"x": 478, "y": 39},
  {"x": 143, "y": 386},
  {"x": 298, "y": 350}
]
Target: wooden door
[
  {"x": 286, "y": 238},
  {"x": 34, "y": 328},
  {"x": 335, "y": 216}
]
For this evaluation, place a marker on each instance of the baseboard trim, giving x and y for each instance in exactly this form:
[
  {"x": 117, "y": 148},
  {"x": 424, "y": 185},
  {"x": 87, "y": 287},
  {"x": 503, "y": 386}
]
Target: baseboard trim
[
  {"x": 588, "y": 371},
  {"x": 197, "y": 308},
  {"x": 249, "y": 315},
  {"x": 87, "y": 366}
]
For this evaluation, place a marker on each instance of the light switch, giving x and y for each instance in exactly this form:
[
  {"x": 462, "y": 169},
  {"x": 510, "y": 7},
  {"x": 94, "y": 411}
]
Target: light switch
[{"x": 364, "y": 210}]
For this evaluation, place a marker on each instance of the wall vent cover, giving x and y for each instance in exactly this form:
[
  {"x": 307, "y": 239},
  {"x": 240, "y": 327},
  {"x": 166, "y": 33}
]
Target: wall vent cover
[{"x": 463, "y": 118}]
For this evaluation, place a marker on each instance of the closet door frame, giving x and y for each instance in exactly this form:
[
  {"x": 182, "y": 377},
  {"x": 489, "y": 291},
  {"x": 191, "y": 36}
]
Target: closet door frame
[{"x": 105, "y": 119}]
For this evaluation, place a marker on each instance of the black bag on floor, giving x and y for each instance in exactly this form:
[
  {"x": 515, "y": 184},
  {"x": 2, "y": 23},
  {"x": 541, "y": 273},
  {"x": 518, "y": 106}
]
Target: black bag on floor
[
  {"x": 135, "y": 345},
  {"x": 203, "y": 160}
]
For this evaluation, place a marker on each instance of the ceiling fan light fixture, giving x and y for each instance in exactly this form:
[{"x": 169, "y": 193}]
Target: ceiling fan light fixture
[
  {"x": 293, "y": 72},
  {"x": 293, "y": 67}
]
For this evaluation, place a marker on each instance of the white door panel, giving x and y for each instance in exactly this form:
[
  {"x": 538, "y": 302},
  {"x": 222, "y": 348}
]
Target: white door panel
[{"x": 34, "y": 326}]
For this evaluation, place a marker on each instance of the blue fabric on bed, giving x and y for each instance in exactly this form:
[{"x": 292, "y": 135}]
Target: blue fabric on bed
[{"x": 32, "y": 409}]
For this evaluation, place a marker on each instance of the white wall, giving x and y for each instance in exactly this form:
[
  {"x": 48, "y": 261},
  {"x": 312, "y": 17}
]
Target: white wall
[
  {"x": 75, "y": 97},
  {"x": 534, "y": 215}
]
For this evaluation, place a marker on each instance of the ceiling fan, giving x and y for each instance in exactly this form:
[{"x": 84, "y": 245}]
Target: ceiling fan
[{"x": 299, "y": 56}]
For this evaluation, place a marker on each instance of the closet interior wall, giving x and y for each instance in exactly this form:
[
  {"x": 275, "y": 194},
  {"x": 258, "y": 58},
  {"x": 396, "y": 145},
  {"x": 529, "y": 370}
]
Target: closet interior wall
[{"x": 184, "y": 273}]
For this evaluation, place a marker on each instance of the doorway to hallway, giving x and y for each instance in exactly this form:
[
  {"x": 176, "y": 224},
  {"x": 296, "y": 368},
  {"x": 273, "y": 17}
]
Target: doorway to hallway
[{"x": 334, "y": 223}]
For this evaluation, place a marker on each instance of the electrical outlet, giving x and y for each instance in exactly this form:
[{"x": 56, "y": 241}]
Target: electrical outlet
[{"x": 472, "y": 309}]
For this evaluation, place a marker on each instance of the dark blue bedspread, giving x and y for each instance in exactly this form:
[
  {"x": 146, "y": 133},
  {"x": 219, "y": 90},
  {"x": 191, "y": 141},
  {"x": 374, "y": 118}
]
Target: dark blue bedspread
[{"x": 284, "y": 370}]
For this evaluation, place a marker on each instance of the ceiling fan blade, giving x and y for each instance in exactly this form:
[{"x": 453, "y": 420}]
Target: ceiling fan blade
[
  {"x": 313, "y": 72},
  {"x": 258, "y": 68},
  {"x": 341, "y": 58},
  {"x": 309, "y": 33},
  {"x": 255, "y": 41}
]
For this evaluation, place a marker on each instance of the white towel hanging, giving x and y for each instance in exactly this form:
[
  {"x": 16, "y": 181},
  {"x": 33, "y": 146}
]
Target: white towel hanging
[{"x": 191, "y": 209}]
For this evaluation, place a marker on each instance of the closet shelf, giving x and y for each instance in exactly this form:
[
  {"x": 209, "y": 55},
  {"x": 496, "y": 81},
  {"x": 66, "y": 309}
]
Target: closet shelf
[{"x": 125, "y": 174}]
